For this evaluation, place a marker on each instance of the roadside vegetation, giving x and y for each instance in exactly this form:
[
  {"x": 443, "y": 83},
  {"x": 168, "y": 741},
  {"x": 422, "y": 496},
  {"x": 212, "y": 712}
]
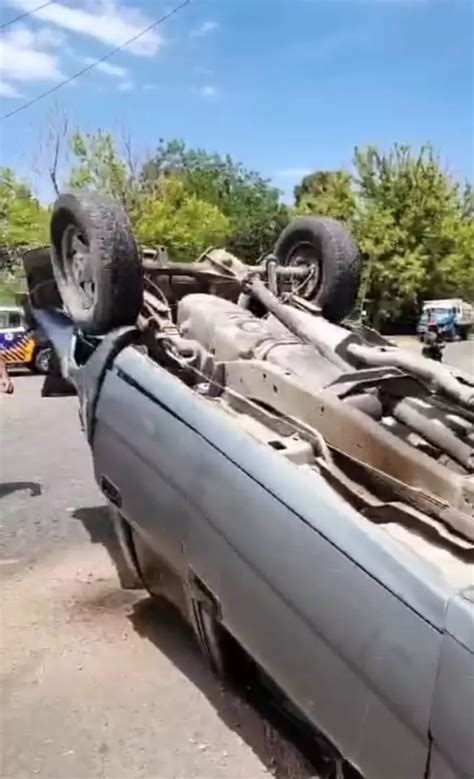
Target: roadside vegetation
[{"x": 414, "y": 224}]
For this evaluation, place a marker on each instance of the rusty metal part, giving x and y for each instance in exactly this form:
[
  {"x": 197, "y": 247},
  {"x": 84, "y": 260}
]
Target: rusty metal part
[
  {"x": 369, "y": 404},
  {"x": 410, "y": 412},
  {"x": 393, "y": 490},
  {"x": 156, "y": 314},
  {"x": 298, "y": 323},
  {"x": 438, "y": 375},
  {"x": 220, "y": 265},
  {"x": 423, "y": 482},
  {"x": 272, "y": 276},
  {"x": 272, "y": 429},
  {"x": 158, "y": 255}
]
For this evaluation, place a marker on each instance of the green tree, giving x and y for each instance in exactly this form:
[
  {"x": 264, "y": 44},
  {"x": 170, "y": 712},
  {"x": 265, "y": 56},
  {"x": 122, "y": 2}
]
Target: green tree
[
  {"x": 24, "y": 223},
  {"x": 180, "y": 220},
  {"x": 161, "y": 208},
  {"x": 250, "y": 203},
  {"x": 414, "y": 229},
  {"x": 327, "y": 193},
  {"x": 100, "y": 166},
  {"x": 23, "y": 220}
]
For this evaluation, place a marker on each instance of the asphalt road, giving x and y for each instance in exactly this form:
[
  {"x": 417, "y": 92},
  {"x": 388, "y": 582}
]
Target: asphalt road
[
  {"x": 460, "y": 355},
  {"x": 95, "y": 681}
]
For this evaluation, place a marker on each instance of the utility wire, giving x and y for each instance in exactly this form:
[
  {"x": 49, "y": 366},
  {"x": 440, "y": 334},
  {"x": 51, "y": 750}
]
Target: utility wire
[
  {"x": 96, "y": 62},
  {"x": 24, "y": 15}
]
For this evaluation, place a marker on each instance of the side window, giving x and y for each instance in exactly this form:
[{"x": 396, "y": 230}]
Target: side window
[
  {"x": 15, "y": 319},
  {"x": 3, "y": 320}
]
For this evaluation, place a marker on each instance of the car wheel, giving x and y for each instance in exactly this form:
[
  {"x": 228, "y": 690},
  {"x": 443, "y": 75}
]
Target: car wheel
[
  {"x": 210, "y": 636},
  {"x": 326, "y": 246},
  {"x": 96, "y": 263},
  {"x": 41, "y": 360},
  {"x": 223, "y": 653}
]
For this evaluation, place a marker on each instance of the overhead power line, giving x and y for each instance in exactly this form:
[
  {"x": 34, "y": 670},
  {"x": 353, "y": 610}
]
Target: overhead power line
[
  {"x": 25, "y": 14},
  {"x": 96, "y": 62}
]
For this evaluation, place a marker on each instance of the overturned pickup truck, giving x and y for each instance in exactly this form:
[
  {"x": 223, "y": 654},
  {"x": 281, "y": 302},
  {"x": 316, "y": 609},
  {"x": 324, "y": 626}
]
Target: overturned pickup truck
[{"x": 300, "y": 489}]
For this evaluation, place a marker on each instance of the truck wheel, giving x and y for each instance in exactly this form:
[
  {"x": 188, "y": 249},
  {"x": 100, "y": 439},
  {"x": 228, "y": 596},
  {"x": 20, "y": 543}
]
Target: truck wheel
[
  {"x": 95, "y": 262},
  {"x": 224, "y": 655},
  {"x": 326, "y": 245},
  {"x": 210, "y": 637},
  {"x": 41, "y": 358}
]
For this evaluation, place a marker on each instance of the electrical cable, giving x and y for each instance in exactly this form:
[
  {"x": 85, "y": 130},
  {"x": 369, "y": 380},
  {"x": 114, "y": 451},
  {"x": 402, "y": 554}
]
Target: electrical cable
[
  {"x": 96, "y": 62},
  {"x": 25, "y": 14}
]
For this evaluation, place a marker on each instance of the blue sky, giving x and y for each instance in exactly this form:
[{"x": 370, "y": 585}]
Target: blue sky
[{"x": 285, "y": 86}]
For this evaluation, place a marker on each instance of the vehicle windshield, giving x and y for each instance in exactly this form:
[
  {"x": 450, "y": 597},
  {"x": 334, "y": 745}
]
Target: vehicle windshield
[
  {"x": 437, "y": 311},
  {"x": 10, "y": 319}
]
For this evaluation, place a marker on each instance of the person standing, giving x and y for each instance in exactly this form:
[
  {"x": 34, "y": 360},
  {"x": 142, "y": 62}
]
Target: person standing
[
  {"x": 6, "y": 383},
  {"x": 433, "y": 343}
]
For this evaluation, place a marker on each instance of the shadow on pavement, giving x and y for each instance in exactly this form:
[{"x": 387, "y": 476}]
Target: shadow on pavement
[
  {"x": 98, "y": 523},
  {"x": 161, "y": 623},
  {"x": 16, "y": 486}
]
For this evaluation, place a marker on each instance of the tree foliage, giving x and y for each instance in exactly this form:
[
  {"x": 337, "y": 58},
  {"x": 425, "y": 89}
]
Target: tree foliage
[
  {"x": 413, "y": 225},
  {"x": 211, "y": 198},
  {"x": 327, "y": 193},
  {"x": 180, "y": 220},
  {"x": 100, "y": 166},
  {"x": 248, "y": 201},
  {"x": 23, "y": 221}
]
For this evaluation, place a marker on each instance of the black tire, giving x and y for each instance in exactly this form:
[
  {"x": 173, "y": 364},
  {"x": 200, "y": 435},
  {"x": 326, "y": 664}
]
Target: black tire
[
  {"x": 96, "y": 262},
  {"x": 210, "y": 637},
  {"x": 41, "y": 358},
  {"x": 223, "y": 653},
  {"x": 326, "y": 244}
]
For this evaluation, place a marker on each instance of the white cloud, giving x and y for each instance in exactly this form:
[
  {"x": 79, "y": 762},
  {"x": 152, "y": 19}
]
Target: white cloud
[
  {"x": 108, "y": 68},
  {"x": 292, "y": 173},
  {"x": 108, "y": 21},
  {"x": 22, "y": 60},
  {"x": 204, "y": 29},
  {"x": 8, "y": 90},
  {"x": 115, "y": 71},
  {"x": 32, "y": 53},
  {"x": 208, "y": 91},
  {"x": 50, "y": 37}
]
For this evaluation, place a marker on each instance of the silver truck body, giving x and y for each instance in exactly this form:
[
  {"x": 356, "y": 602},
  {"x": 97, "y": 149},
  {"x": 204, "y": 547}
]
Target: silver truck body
[
  {"x": 306, "y": 486},
  {"x": 368, "y": 629}
]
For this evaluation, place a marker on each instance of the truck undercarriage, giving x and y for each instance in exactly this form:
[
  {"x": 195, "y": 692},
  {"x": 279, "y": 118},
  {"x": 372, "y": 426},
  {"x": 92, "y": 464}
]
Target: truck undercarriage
[{"x": 267, "y": 348}]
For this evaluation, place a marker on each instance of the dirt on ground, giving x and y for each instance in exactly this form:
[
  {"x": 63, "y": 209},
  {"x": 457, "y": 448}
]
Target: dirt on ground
[{"x": 96, "y": 681}]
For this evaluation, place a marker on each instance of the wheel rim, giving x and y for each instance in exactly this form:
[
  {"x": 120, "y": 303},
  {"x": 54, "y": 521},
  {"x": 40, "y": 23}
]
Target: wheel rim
[
  {"x": 42, "y": 361},
  {"x": 305, "y": 253},
  {"x": 77, "y": 263}
]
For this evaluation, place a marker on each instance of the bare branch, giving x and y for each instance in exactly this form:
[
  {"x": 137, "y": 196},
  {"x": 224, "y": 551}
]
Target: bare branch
[
  {"x": 57, "y": 135},
  {"x": 130, "y": 159}
]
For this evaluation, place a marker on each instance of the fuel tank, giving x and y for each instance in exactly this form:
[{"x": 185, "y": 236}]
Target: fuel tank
[{"x": 230, "y": 333}]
